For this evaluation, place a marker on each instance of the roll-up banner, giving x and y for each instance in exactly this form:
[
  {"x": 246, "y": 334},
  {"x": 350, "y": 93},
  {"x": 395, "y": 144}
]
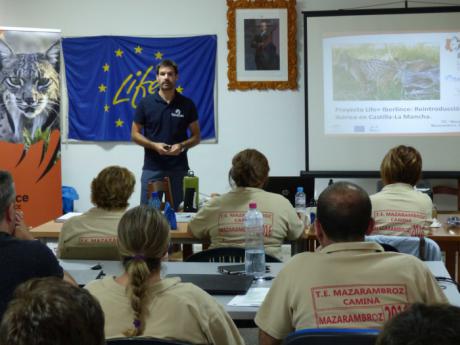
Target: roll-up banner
[{"x": 30, "y": 119}]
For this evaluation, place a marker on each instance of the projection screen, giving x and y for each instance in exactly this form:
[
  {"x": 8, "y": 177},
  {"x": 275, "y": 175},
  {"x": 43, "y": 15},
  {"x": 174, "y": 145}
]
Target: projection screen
[{"x": 376, "y": 79}]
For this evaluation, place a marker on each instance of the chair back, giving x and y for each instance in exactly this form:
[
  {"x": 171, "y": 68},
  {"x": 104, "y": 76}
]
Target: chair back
[
  {"x": 90, "y": 252},
  {"x": 142, "y": 341},
  {"x": 224, "y": 254},
  {"x": 422, "y": 247},
  {"x": 163, "y": 187},
  {"x": 332, "y": 336}
]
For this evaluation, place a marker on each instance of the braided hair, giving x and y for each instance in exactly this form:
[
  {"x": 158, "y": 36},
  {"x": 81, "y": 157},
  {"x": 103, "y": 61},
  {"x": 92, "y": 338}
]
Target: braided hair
[{"x": 143, "y": 238}]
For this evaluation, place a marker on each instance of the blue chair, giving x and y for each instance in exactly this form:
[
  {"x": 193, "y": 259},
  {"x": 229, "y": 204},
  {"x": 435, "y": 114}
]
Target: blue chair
[
  {"x": 332, "y": 336},
  {"x": 422, "y": 247}
]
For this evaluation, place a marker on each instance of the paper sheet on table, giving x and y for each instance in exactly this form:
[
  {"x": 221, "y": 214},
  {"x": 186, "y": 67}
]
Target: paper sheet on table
[
  {"x": 53, "y": 245},
  {"x": 67, "y": 216},
  {"x": 184, "y": 217},
  {"x": 435, "y": 223},
  {"x": 253, "y": 298}
]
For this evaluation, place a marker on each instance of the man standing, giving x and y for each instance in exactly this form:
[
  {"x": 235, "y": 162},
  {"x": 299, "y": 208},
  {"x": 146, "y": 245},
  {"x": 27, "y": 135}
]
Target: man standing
[
  {"x": 160, "y": 126},
  {"x": 21, "y": 257},
  {"x": 348, "y": 283},
  {"x": 265, "y": 55}
]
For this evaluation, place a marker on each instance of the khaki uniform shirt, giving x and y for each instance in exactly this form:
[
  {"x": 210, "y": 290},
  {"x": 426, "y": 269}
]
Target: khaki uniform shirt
[
  {"x": 95, "y": 227},
  {"x": 400, "y": 210},
  {"x": 177, "y": 311},
  {"x": 222, "y": 220},
  {"x": 345, "y": 285}
]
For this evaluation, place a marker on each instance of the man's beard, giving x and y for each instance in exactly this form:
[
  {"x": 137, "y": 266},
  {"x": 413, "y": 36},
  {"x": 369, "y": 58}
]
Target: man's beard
[{"x": 167, "y": 86}]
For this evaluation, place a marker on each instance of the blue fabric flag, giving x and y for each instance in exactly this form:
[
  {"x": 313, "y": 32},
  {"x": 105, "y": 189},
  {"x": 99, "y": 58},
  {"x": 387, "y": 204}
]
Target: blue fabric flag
[{"x": 107, "y": 76}]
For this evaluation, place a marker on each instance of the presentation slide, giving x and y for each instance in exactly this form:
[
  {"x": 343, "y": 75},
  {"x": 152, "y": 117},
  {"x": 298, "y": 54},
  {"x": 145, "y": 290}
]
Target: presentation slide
[
  {"x": 392, "y": 83},
  {"x": 376, "y": 79}
]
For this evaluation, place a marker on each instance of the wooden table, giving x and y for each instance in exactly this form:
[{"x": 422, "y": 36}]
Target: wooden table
[
  {"x": 448, "y": 238},
  {"x": 52, "y": 229}
]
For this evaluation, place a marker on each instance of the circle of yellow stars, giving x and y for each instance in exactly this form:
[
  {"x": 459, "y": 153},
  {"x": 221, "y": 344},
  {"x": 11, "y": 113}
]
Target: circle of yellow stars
[{"x": 106, "y": 68}]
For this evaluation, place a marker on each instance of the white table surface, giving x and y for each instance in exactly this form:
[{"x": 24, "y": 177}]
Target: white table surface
[
  {"x": 438, "y": 269},
  {"x": 115, "y": 268}
]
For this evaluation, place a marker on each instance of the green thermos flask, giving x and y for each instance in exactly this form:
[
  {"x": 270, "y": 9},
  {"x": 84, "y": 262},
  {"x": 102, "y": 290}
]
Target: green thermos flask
[{"x": 191, "y": 192}]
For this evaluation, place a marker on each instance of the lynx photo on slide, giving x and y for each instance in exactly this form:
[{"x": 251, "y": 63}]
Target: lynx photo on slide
[{"x": 386, "y": 72}]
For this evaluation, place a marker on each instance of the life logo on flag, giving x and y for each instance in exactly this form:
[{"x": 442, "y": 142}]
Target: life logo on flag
[{"x": 177, "y": 113}]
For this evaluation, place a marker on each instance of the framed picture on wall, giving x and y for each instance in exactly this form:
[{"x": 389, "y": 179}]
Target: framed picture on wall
[{"x": 262, "y": 44}]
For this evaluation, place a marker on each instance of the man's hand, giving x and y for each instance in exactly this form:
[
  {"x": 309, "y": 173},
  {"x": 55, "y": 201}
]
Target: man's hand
[
  {"x": 175, "y": 150},
  {"x": 19, "y": 219},
  {"x": 161, "y": 148},
  {"x": 21, "y": 230}
]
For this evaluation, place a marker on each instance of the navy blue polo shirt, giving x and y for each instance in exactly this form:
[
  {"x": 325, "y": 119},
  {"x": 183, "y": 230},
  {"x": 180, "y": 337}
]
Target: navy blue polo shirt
[
  {"x": 166, "y": 123},
  {"x": 21, "y": 260}
]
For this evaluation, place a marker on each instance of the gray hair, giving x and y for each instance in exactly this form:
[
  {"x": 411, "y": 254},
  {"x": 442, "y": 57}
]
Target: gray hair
[{"x": 7, "y": 193}]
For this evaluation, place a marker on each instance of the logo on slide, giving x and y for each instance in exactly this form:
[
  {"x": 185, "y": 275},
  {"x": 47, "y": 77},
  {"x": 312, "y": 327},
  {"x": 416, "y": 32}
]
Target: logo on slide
[{"x": 177, "y": 113}]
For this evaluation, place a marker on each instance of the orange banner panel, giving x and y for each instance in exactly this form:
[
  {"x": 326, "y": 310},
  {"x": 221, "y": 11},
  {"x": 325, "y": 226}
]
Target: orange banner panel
[{"x": 37, "y": 176}]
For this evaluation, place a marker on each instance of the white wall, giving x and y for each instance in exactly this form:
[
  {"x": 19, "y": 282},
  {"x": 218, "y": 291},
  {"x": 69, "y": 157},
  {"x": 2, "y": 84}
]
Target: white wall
[{"x": 271, "y": 121}]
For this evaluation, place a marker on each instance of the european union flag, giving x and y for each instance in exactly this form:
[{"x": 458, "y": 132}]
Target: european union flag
[{"x": 107, "y": 76}]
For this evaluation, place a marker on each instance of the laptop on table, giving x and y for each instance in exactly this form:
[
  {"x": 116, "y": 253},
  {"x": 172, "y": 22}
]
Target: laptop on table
[
  {"x": 218, "y": 284},
  {"x": 287, "y": 186}
]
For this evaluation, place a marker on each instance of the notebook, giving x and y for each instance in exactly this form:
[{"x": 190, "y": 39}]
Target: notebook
[{"x": 218, "y": 284}]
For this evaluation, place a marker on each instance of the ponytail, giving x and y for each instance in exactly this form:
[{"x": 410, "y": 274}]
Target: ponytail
[{"x": 138, "y": 294}]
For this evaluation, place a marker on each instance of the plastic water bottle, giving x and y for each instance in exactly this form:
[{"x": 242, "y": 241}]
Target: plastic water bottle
[
  {"x": 191, "y": 192},
  {"x": 254, "y": 252},
  {"x": 155, "y": 201},
  {"x": 301, "y": 205},
  {"x": 312, "y": 210}
]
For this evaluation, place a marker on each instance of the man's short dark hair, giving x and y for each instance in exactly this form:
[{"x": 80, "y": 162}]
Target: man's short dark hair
[
  {"x": 7, "y": 193},
  {"x": 168, "y": 63},
  {"x": 53, "y": 312},
  {"x": 423, "y": 325},
  {"x": 344, "y": 212}
]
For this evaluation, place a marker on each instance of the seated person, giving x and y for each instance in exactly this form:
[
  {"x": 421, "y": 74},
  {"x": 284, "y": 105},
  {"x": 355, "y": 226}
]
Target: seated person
[
  {"x": 423, "y": 325},
  {"x": 222, "y": 220},
  {"x": 348, "y": 283},
  {"x": 21, "y": 257},
  {"x": 52, "y": 312},
  {"x": 97, "y": 227},
  {"x": 141, "y": 303},
  {"x": 398, "y": 209}
]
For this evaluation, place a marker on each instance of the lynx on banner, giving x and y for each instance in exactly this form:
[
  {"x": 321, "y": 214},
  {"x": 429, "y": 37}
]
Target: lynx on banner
[{"x": 29, "y": 119}]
